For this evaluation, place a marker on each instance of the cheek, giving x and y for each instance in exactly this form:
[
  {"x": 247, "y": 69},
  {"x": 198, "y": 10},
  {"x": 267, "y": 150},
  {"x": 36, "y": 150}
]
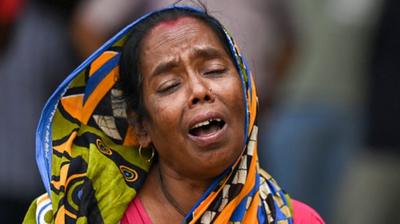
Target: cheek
[
  {"x": 163, "y": 116},
  {"x": 233, "y": 94},
  {"x": 155, "y": 106},
  {"x": 164, "y": 127}
]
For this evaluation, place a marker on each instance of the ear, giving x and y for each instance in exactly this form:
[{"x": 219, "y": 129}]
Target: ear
[{"x": 140, "y": 129}]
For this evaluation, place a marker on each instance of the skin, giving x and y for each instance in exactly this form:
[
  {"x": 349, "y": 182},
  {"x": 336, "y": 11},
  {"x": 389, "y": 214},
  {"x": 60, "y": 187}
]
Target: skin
[{"x": 187, "y": 75}]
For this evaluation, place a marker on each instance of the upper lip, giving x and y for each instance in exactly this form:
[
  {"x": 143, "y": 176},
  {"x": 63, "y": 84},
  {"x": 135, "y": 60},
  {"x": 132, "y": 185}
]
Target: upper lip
[{"x": 202, "y": 117}]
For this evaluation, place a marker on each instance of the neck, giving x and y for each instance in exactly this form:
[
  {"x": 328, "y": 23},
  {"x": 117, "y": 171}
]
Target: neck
[
  {"x": 180, "y": 192},
  {"x": 186, "y": 191}
]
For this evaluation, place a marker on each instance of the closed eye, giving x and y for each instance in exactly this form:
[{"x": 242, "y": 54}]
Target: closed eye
[
  {"x": 168, "y": 87},
  {"x": 216, "y": 71}
]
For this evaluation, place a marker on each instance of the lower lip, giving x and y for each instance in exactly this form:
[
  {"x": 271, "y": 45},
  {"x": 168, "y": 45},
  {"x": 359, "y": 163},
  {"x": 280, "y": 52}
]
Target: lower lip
[{"x": 210, "y": 140}]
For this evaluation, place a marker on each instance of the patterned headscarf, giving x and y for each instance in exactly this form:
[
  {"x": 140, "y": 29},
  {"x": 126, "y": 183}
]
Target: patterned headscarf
[{"x": 91, "y": 167}]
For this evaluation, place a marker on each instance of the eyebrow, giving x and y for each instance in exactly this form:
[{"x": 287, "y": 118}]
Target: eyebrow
[
  {"x": 165, "y": 66},
  {"x": 206, "y": 53}
]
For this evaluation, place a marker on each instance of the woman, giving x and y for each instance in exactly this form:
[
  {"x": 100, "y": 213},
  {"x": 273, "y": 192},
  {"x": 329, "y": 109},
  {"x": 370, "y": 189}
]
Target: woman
[{"x": 188, "y": 153}]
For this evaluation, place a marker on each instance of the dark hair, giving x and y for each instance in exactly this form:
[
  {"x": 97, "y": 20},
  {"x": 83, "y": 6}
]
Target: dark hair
[{"x": 130, "y": 77}]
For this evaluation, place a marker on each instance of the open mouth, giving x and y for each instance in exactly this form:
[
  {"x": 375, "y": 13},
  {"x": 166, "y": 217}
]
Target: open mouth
[{"x": 207, "y": 127}]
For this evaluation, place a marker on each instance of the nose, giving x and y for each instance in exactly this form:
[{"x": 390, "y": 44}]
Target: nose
[{"x": 201, "y": 92}]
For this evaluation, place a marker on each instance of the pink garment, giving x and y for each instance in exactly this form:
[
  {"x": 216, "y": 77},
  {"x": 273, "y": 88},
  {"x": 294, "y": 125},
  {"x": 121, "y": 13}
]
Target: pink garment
[
  {"x": 303, "y": 214},
  {"x": 135, "y": 213}
]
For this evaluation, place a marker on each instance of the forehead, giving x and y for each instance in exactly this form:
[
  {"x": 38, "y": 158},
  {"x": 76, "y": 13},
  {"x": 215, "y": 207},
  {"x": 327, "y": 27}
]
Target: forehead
[{"x": 183, "y": 32}]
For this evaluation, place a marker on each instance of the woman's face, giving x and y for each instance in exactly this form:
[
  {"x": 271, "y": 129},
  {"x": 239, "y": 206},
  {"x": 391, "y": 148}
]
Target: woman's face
[{"x": 193, "y": 97}]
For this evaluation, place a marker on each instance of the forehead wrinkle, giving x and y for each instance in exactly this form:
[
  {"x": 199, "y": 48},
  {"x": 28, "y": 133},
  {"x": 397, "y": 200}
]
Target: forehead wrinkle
[
  {"x": 174, "y": 30},
  {"x": 176, "y": 42},
  {"x": 175, "y": 37}
]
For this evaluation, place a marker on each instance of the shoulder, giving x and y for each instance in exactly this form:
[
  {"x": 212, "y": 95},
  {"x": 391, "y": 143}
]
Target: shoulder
[{"x": 303, "y": 214}]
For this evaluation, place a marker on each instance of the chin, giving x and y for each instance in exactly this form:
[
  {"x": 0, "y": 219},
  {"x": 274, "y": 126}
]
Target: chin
[{"x": 214, "y": 162}]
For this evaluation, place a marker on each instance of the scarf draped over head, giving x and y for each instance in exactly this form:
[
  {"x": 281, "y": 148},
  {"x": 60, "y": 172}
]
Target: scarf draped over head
[{"x": 91, "y": 167}]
